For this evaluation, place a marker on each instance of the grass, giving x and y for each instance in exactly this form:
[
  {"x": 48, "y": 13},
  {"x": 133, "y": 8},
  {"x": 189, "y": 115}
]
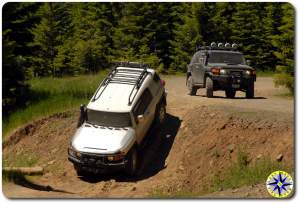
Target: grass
[
  {"x": 268, "y": 73},
  {"x": 239, "y": 174},
  {"x": 53, "y": 95},
  {"x": 243, "y": 174},
  {"x": 21, "y": 160}
]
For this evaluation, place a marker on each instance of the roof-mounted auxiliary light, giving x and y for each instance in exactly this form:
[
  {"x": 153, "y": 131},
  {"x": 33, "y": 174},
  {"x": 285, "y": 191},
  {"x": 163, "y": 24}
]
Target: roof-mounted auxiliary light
[
  {"x": 213, "y": 44},
  {"x": 220, "y": 44},
  {"x": 227, "y": 45},
  {"x": 234, "y": 45}
]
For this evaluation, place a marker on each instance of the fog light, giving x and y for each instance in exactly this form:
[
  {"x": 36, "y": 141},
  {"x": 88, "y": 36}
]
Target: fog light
[
  {"x": 116, "y": 157},
  {"x": 110, "y": 158}
]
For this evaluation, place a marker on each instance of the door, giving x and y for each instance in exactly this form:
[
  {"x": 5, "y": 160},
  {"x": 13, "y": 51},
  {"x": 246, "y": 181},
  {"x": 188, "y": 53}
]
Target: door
[
  {"x": 144, "y": 107},
  {"x": 198, "y": 68}
]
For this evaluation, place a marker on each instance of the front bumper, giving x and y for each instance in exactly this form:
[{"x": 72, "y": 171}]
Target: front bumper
[
  {"x": 96, "y": 163},
  {"x": 223, "y": 82}
]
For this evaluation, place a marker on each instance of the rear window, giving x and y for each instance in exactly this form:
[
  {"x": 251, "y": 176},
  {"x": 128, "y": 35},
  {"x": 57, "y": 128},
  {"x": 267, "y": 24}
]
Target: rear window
[
  {"x": 109, "y": 119},
  {"x": 225, "y": 57}
]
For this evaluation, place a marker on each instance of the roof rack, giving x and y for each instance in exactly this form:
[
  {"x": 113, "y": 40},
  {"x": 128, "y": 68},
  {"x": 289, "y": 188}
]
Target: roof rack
[{"x": 125, "y": 75}]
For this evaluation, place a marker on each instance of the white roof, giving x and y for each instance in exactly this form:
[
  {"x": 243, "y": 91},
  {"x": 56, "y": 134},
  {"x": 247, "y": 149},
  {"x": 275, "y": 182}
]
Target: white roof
[{"x": 115, "y": 96}]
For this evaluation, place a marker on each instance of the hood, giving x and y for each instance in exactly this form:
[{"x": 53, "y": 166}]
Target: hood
[
  {"x": 106, "y": 140},
  {"x": 230, "y": 66}
]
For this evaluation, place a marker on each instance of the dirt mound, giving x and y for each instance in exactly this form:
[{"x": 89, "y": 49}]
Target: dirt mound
[
  {"x": 183, "y": 155},
  {"x": 211, "y": 137}
]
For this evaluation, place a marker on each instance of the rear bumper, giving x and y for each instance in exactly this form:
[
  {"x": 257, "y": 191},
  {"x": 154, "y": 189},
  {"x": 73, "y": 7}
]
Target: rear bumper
[
  {"x": 97, "y": 166},
  {"x": 223, "y": 82}
]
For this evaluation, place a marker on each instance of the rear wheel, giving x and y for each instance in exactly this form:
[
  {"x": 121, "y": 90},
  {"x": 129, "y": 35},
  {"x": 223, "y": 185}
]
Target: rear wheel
[
  {"x": 132, "y": 163},
  {"x": 230, "y": 93},
  {"x": 250, "y": 90},
  {"x": 192, "y": 89},
  {"x": 209, "y": 87}
]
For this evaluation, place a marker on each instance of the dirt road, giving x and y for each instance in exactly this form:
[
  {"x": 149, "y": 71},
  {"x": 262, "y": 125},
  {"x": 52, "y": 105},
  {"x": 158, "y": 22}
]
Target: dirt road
[{"x": 199, "y": 140}]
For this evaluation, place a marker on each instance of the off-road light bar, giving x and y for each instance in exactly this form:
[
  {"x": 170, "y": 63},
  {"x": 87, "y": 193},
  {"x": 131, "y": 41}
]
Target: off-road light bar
[{"x": 218, "y": 46}]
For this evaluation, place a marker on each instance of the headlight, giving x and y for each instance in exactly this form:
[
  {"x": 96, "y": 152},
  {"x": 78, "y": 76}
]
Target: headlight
[
  {"x": 72, "y": 152},
  {"x": 248, "y": 72},
  {"x": 223, "y": 71}
]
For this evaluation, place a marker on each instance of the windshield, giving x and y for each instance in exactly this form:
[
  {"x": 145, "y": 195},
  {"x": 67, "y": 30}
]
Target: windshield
[
  {"x": 108, "y": 119},
  {"x": 228, "y": 58}
]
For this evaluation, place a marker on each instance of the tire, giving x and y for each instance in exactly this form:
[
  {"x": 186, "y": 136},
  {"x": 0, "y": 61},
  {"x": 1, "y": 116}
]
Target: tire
[
  {"x": 192, "y": 89},
  {"x": 80, "y": 171},
  {"x": 250, "y": 90},
  {"x": 160, "y": 114},
  {"x": 209, "y": 87},
  {"x": 230, "y": 93},
  {"x": 131, "y": 168}
]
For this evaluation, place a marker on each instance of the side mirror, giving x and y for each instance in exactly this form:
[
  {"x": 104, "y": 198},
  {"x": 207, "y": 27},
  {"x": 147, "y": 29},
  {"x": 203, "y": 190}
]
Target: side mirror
[
  {"x": 82, "y": 116},
  {"x": 140, "y": 118},
  {"x": 248, "y": 62}
]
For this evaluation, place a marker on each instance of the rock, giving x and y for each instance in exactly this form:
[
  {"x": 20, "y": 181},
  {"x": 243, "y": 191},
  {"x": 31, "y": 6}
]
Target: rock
[
  {"x": 247, "y": 194},
  {"x": 235, "y": 190},
  {"x": 51, "y": 162},
  {"x": 230, "y": 148},
  {"x": 259, "y": 156},
  {"x": 181, "y": 167},
  {"x": 133, "y": 188},
  {"x": 279, "y": 157}
]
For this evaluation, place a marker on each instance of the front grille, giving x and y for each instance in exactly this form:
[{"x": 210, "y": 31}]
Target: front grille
[
  {"x": 236, "y": 73},
  {"x": 92, "y": 159}
]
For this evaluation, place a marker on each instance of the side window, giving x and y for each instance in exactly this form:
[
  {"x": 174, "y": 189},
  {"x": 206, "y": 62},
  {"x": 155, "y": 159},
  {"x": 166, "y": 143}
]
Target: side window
[
  {"x": 195, "y": 58},
  {"x": 156, "y": 77},
  {"x": 142, "y": 104}
]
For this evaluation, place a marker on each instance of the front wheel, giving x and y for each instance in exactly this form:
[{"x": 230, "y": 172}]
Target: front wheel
[
  {"x": 209, "y": 87},
  {"x": 192, "y": 89},
  {"x": 250, "y": 90},
  {"x": 132, "y": 163}
]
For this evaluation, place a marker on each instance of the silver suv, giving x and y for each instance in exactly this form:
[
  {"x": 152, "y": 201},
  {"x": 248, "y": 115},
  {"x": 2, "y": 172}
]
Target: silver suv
[{"x": 114, "y": 124}]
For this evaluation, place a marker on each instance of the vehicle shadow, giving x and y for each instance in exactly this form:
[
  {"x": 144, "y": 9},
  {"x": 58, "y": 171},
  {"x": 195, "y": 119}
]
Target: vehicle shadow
[
  {"x": 21, "y": 180},
  {"x": 153, "y": 154},
  {"x": 237, "y": 97}
]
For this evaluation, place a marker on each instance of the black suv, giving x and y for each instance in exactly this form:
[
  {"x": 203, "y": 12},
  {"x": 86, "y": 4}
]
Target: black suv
[{"x": 220, "y": 68}]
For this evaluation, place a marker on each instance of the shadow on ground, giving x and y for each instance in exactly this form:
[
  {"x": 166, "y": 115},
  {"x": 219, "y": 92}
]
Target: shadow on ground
[
  {"x": 154, "y": 152},
  {"x": 235, "y": 98},
  {"x": 21, "y": 180}
]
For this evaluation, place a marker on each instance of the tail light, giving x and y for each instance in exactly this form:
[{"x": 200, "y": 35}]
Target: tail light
[
  {"x": 162, "y": 82},
  {"x": 215, "y": 70}
]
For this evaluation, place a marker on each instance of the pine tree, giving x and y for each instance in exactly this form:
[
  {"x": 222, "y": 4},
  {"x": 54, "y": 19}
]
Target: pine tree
[
  {"x": 47, "y": 37},
  {"x": 17, "y": 17},
  {"x": 284, "y": 42},
  {"x": 187, "y": 37}
]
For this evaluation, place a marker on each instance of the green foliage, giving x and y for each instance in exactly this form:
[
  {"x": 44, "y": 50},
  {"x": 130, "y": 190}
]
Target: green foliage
[
  {"x": 284, "y": 42},
  {"x": 53, "y": 95}
]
